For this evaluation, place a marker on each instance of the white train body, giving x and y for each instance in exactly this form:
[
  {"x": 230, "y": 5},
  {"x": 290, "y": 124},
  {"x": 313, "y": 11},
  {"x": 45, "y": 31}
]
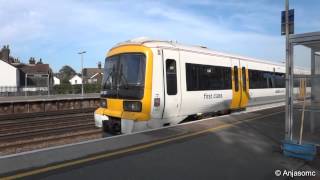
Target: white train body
[{"x": 175, "y": 81}]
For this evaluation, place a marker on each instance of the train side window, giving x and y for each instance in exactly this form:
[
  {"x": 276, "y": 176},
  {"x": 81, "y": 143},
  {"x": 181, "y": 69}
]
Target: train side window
[
  {"x": 171, "y": 75},
  {"x": 236, "y": 78},
  {"x": 244, "y": 78},
  {"x": 296, "y": 82},
  {"x": 279, "y": 80},
  {"x": 264, "y": 79},
  {"x": 201, "y": 77},
  {"x": 268, "y": 76}
]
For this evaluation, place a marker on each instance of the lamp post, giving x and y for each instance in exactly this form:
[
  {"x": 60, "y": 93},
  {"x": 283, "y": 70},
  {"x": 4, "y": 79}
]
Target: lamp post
[{"x": 81, "y": 54}]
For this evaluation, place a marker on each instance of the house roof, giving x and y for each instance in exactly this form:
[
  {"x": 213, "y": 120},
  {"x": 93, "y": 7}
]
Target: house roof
[
  {"x": 89, "y": 72},
  {"x": 34, "y": 68},
  {"x": 96, "y": 75},
  {"x": 7, "y": 63}
]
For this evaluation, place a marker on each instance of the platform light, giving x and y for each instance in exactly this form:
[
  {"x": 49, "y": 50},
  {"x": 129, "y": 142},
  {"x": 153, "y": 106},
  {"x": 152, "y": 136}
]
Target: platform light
[{"x": 81, "y": 54}]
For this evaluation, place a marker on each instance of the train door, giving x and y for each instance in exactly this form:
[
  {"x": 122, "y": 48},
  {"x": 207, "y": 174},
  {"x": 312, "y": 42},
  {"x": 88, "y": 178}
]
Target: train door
[
  {"x": 236, "y": 88},
  {"x": 172, "y": 83},
  {"x": 244, "y": 84}
]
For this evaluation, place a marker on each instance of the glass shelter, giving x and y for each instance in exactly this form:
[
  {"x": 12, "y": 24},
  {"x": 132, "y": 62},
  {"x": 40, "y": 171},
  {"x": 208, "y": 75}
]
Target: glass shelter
[{"x": 303, "y": 89}]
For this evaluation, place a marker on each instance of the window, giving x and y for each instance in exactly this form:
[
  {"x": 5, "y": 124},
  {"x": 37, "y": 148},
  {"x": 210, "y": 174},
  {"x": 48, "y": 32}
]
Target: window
[
  {"x": 265, "y": 79},
  {"x": 206, "y": 77},
  {"x": 124, "y": 76},
  {"x": 296, "y": 82},
  {"x": 75, "y": 81},
  {"x": 236, "y": 78},
  {"x": 171, "y": 74},
  {"x": 244, "y": 78}
]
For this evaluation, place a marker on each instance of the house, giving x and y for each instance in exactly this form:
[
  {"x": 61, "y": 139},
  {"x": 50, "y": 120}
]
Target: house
[
  {"x": 35, "y": 74},
  {"x": 56, "y": 81},
  {"x": 93, "y": 75},
  {"x": 9, "y": 77},
  {"x": 75, "y": 80}
]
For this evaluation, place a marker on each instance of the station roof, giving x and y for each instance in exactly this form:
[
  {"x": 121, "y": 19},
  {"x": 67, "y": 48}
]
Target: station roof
[{"x": 311, "y": 40}]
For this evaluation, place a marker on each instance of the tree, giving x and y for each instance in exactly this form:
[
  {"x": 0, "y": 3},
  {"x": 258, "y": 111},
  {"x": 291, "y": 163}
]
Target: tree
[{"x": 66, "y": 73}]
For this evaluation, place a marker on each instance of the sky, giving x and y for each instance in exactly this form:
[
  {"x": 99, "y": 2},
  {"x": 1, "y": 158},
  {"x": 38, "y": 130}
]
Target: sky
[{"x": 57, "y": 30}]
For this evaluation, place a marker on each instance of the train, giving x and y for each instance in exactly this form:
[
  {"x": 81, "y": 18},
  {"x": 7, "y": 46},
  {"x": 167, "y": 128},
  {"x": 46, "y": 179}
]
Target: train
[{"x": 150, "y": 84}]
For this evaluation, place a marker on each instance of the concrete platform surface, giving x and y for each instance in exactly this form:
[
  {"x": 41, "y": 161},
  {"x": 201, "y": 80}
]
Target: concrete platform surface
[{"x": 228, "y": 147}]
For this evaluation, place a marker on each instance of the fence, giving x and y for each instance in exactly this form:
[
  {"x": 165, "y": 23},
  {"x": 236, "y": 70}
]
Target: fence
[
  {"x": 57, "y": 89},
  {"x": 22, "y": 91}
]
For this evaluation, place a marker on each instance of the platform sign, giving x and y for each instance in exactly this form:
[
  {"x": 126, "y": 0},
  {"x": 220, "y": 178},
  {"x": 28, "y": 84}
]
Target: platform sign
[{"x": 291, "y": 22}]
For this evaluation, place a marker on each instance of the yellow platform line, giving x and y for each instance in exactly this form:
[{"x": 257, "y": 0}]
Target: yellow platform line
[{"x": 123, "y": 151}]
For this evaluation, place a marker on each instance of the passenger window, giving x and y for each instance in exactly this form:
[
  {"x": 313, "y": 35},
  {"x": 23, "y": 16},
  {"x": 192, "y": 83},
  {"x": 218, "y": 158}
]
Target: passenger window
[
  {"x": 171, "y": 74},
  {"x": 236, "y": 80},
  {"x": 201, "y": 77},
  {"x": 244, "y": 78}
]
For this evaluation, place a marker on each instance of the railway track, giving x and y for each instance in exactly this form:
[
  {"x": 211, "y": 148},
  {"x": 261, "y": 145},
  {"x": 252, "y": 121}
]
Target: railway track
[
  {"x": 48, "y": 141},
  {"x": 39, "y": 131},
  {"x": 42, "y": 123}
]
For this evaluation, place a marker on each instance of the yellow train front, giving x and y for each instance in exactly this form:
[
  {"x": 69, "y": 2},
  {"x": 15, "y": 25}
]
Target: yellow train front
[{"x": 126, "y": 89}]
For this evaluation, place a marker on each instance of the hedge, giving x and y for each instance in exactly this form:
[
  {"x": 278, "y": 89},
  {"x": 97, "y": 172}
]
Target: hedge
[{"x": 76, "y": 89}]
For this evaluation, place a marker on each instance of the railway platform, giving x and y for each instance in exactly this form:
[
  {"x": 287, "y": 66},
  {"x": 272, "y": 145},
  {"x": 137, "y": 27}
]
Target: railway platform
[
  {"x": 42, "y": 104},
  {"x": 244, "y": 145},
  {"x": 13, "y": 99}
]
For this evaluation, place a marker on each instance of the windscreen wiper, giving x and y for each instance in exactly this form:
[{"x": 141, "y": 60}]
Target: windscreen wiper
[
  {"x": 123, "y": 78},
  {"x": 108, "y": 77}
]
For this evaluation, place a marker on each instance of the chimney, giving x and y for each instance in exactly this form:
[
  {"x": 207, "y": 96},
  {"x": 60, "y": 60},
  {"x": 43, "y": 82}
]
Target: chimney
[
  {"x": 40, "y": 61},
  {"x": 5, "y": 53},
  {"x": 32, "y": 60},
  {"x": 99, "y": 64}
]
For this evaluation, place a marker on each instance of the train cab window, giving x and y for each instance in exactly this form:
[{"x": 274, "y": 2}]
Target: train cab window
[
  {"x": 171, "y": 75},
  {"x": 244, "y": 78},
  {"x": 236, "y": 78}
]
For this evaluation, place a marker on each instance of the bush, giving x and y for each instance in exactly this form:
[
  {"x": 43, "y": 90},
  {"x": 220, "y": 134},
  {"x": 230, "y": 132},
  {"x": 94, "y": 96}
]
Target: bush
[
  {"x": 92, "y": 88},
  {"x": 76, "y": 89}
]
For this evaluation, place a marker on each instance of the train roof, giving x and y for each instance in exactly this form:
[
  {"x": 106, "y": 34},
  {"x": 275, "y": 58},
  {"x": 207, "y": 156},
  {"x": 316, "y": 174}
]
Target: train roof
[{"x": 153, "y": 43}]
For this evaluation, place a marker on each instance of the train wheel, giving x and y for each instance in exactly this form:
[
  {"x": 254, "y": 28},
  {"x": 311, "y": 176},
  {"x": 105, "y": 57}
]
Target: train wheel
[
  {"x": 105, "y": 126},
  {"x": 114, "y": 127}
]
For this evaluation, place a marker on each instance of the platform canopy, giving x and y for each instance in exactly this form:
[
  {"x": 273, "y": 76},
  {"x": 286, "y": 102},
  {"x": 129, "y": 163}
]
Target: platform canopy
[{"x": 311, "y": 40}]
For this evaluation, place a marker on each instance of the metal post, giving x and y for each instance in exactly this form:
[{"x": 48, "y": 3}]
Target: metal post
[
  {"x": 81, "y": 53},
  {"x": 82, "y": 74},
  {"x": 25, "y": 84},
  {"x": 48, "y": 84},
  {"x": 289, "y": 80},
  {"x": 313, "y": 93}
]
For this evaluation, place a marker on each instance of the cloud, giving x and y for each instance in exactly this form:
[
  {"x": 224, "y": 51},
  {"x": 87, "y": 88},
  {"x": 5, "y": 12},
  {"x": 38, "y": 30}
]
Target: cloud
[{"x": 56, "y": 30}]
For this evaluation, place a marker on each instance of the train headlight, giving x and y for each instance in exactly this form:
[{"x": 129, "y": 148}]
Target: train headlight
[
  {"x": 103, "y": 103},
  {"x": 133, "y": 106}
]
